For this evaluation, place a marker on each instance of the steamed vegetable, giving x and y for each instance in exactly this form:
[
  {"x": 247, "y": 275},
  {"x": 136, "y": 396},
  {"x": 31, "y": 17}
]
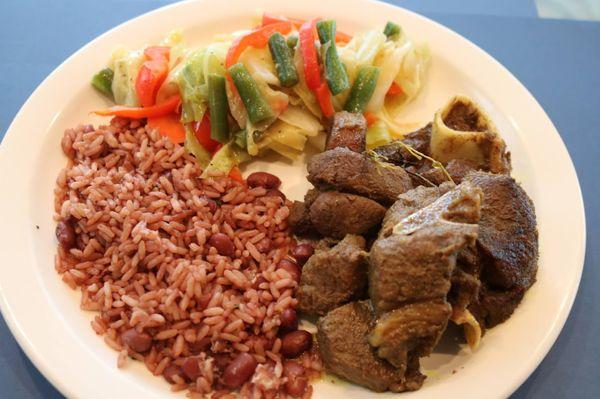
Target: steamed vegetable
[
  {"x": 256, "y": 106},
  {"x": 170, "y": 126},
  {"x": 217, "y": 101},
  {"x": 193, "y": 146},
  {"x": 337, "y": 77},
  {"x": 192, "y": 87},
  {"x": 226, "y": 158},
  {"x": 267, "y": 89},
  {"x": 126, "y": 65},
  {"x": 362, "y": 89},
  {"x": 259, "y": 38},
  {"x": 152, "y": 74},
  {"x": 286, "y": 71},
  {"x": 377, "y": 135},
  {"x": 162, "y": 109},
  {"x": 389, "y": 61},
  {"x": 102, "y": 81},
  {"x": 312, "y": 73},
  {"x": 268, "y": 19},
  {"x": 392, "y": 30},
  {"x": 202, "y": 131},
  {"x": 292, "y": 41}
]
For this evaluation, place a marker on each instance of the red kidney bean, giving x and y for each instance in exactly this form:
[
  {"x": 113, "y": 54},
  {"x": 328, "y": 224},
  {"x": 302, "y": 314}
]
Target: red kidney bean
[
  {"x": 239, "y": 370},
  {"x": 171, "y": 371},
  {"x": 292, "y": 268},
  {"x": 65, "y": 234},
  {"x": 222, "y": 243},
  {"x": 289, "y": 320},
  {"x": 275, "y": 193},
  {"x": 259, "y": 280},
  {"x": 295, "y": 343},
  {"x": 191, "y": 368},
  {"x": 296, "y": 382},
  {"x": 212, "y": 204},
  {"x": 200, "y": 346},
  {"x": 137, "y": 341},
  {"x": 263, "y": 179},
  {"x": 263, "y": 245},
  {"x": 296, "y": 386},
  {"x": 302, "y": 252}
]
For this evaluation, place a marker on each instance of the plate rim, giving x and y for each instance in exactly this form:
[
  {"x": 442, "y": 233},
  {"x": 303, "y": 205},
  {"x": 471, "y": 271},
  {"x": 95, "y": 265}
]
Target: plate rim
[{"x": 42, "y": 363}]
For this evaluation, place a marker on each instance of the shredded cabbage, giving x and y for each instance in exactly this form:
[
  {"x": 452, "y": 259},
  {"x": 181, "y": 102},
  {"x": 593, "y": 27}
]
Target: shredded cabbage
[
  {"x": 377, "y": 134},
  {"x": 126, "y": 65},
  {"x": 389, "y": 61},
  {"x": 193, "y": 146},
  {"x": 410, "y": 77},
  {"x": 296, "y": 116},
  {"x": 225, "y": 159}
]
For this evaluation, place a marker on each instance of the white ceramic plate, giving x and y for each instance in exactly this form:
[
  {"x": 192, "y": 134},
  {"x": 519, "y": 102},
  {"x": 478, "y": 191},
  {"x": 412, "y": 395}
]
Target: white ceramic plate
[{"x": 43, "y": 313}]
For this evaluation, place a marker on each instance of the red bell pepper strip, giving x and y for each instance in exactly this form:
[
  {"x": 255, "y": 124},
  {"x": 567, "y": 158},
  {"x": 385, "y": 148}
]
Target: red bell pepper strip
[
  {"x": 202, "y": 131},
  {"x": 152, "y": 74},
  {"x": 269, "y": 19},
  {"x": 170, "y": 126},
  {"x": 236, "y": 174},
  {"x": 308, "y": 50},
  {"x": 257, "y": 38},
  {"x": 312, "y": 73},
  {"x": 394, "y": 89},
  {"x": 166, "y": 107},
  {"x": 324, "y": 99},
  {"x": 371, "y": 118}
]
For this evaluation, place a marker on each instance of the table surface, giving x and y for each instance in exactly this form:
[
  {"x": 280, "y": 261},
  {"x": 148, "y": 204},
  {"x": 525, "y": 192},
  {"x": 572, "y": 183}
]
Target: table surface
[{"x": 558, "y": 61}]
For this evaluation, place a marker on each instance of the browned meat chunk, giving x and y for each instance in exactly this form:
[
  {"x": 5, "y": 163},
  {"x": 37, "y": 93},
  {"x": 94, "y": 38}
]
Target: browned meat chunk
[
  {"x": 335, "y": 214},
  {"x": 415, "y": 260},
  {"x": 410, "y": 331},
  {"x": 333, "y": 276},
  {"x": 347, "y": 130},
  {"x": 348, "y": 171},
  {"x": 410, "y": 271},
  {"x": 299, "y": 218},
  {"x": 507, "y": 247},
  {"x": 342, "y": 338},
  {"x": 496, "y": 306},
  {"x": 410, "y": 202},
  {"x": 399, "y": 155},
  {"x": 508, "y": 239}
]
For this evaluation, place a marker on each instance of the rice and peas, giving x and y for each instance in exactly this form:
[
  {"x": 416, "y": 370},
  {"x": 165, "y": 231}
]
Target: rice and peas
[{"x": 145, "y": 240}]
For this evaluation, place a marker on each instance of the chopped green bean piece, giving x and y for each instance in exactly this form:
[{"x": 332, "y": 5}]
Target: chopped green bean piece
[
  {"x": 335, "y": 71},
  {"x": 362, "y": 89},
  {"x": 392, "y": 30},
  {"x": 218, "y": 107},
  {"x": 284, "y": 63},
  {"x": 257, "y": 107}
]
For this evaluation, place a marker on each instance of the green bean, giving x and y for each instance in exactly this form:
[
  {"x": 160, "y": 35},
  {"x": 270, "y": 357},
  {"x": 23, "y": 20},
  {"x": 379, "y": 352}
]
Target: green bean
[
  {"x": 218, "y": 107},
  {"x": 392, "y": 30},
  {"x": 335, "y": 72},
  {"x": 282, "y": 57},
  {"x": 102, "y": 81},
  {"x": 291, "y": 41},
  {"x": 362, "y": 89},
  {"x": 257, "y": 107}
]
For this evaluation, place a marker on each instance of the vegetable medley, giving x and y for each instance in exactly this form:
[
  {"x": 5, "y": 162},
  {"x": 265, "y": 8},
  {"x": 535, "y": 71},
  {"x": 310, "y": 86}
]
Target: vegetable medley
[{"x": 271, "y": 88}]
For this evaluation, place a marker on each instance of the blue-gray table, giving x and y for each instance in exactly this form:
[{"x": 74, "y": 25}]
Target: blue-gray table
[{"x": 558, "y": 61}]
